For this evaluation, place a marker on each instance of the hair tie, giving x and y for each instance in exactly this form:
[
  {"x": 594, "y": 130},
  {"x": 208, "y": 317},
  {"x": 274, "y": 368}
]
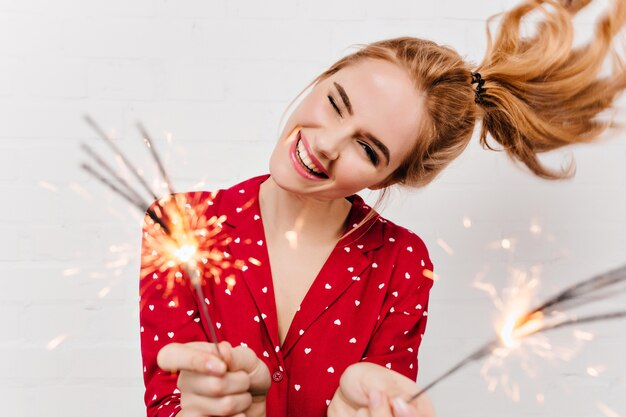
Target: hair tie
[{"x": 477, "y": 79}]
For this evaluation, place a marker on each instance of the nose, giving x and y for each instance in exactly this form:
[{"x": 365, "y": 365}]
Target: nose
[
  {"x": 326, "y": 148},
  {"x": 329, "y": 143}
]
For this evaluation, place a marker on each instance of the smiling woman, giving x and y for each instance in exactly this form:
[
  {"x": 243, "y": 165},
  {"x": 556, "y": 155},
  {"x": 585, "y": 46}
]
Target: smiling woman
[
  {"x": 359, "y": 140},
  {"x": 337, "y": 293}
]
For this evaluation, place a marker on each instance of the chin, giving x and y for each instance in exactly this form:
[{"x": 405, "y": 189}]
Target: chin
[
  {"x": 283, "y": 175},
  {"x": 286, "y": 180}
]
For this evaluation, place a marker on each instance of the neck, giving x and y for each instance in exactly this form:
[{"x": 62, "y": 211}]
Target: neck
[{"x": 311, "y": 219}]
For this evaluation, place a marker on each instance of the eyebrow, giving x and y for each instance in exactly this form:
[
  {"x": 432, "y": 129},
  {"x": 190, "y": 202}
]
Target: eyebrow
[
  {"x": 377, "y": 142},
  {"x": 344, "y": 97}
]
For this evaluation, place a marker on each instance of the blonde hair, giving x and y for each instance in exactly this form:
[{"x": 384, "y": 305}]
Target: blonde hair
[{"x": 540, "y": 93}]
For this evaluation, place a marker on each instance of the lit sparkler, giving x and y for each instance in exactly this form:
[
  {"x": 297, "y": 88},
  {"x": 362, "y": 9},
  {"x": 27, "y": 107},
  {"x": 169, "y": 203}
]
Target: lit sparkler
[
  {"x": 181, "y": 237},
  {"x": 520, "y": 323}
]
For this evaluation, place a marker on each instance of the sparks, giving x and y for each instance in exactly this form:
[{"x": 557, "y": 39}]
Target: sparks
[
  {"x": 519, "y": 322},
  {"x": 467, "y": 222},
  {"x": 195, "y": 244},
  {"x": 54, "y": 343},
  {"x": 185, "y": 252},
  {"x": 445, "y": 246},
  {"x": 179, "y": 240}
]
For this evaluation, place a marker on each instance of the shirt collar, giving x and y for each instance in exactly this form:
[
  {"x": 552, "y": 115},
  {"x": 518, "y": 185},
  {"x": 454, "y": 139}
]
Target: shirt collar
[{"x": 240, "y": 204}]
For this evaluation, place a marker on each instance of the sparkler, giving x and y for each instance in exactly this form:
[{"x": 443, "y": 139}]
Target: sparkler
[
  {"x": 181, "y": 236},
  {"x": 547, "y": 316}
]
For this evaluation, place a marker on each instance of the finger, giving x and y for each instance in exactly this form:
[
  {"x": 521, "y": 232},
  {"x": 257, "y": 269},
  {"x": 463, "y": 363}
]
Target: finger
[
  {"x": 214, "y": 386},
  {"x": 362, "y": 412},
  {"x": 379, "y": 404},
  {"x": 223, "y": 347},
  {"x": 197, "y": 357},
  {"x": 402, "y": 409},
  {"x": 222, "y": 406},
  {"x": 243, "y": 359},
  {"x": 373, "y": 376},
  {"x": 424, "y": 406},
  {"x": 359, "y": 379},
  {"x": 351, "y": 390},
  {"x": 246, "y": 360}
]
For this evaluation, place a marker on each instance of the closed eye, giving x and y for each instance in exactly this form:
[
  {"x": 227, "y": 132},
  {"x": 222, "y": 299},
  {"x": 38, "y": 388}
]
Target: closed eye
[
  {"x": 370, "y": 137},
  {"x": 371, "y": 154},
  {"x": 332, "y": 101}
]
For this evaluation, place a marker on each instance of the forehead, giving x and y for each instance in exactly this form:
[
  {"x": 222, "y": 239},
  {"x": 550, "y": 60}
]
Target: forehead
[{"x": 385, "y": 102}]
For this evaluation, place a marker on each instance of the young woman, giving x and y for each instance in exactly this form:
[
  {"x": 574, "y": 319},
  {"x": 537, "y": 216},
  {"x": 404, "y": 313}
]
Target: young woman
[{"x": 330, "y": 318}]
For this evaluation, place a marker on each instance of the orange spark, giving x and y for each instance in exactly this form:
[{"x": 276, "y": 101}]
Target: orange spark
[{"x": 194, "y": 245}]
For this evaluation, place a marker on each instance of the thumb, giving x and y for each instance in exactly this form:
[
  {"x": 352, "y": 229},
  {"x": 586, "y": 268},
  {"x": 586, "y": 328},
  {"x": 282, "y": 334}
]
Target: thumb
[
  {"x": 424, "y": 405},
  {"x": 244, "y": 359}
]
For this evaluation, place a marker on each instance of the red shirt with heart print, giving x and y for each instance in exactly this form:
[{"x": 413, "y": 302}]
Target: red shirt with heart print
[{"x": 368, "y": 303}]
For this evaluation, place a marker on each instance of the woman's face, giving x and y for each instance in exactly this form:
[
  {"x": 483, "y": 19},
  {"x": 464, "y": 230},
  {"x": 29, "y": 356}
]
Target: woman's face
[{"x": 352, "y": 131}]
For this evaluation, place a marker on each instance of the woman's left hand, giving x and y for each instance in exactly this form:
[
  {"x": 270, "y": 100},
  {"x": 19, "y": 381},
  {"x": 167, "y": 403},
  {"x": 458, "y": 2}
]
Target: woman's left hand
[
  {"x": 382, "y": 406},
  {"x": 369, "y": 390}
]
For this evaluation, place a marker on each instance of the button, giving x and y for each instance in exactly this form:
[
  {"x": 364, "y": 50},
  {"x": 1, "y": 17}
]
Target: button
[{"x": 277, "y": 376}]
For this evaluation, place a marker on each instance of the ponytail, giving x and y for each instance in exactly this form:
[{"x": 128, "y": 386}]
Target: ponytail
[
  {"x": 540, "y": 92},
  {"x": 532, "y": 94}
]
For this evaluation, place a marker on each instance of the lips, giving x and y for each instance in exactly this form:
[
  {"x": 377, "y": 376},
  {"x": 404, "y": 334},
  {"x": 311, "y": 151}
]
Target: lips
[
  {"x": 299, "y": 165},
  {"x": 320, "y": 167}
]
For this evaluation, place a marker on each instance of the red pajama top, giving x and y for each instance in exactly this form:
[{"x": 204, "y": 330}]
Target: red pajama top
[{"x": 368, "y": 303}]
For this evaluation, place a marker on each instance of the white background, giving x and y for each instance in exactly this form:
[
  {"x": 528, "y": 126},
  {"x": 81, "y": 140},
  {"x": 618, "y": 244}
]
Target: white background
[{"x": 210, "y": 79}]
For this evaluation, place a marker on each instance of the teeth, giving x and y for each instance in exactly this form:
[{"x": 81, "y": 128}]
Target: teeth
[{"x": 304, "y": 157}]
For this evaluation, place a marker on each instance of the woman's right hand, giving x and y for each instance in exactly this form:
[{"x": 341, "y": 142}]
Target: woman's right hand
[
  {"x": 234, "y": 386},
  {"x": 371, "y": 390},
  {"x": 380, "y": 405}
]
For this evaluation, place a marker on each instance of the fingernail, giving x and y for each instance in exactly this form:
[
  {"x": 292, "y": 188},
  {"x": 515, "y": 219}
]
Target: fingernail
[
  {"x": 375, "y": 398},
  {"x": 215, "y": 366},
  {"x": 401, "y": 407}
]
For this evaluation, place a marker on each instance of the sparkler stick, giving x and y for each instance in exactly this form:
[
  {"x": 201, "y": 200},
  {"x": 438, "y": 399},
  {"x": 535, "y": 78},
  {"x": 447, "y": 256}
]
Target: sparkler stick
[
  {"x": 186, "y": 252},
  {"x": 157, "y": 159},
  {"x": 577, "y": 291},
  {"x": 155, "y": 156},
  {"x": 129, "y": 190},
  {"x": 124, "y": 195},
  {"x": 580, "y": 320},
  {"x": 192, "y": 271},
  {"x": 533, "y": 321},
  {"x": 119, "y": 153},
  {"x": 188, "y": 264},
  {"x": 194, "y": 275},
  {"x": 479, "y": 353}
]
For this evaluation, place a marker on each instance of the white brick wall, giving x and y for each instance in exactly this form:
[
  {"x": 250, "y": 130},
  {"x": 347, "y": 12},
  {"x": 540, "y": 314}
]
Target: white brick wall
[{"x": 215, "y": 76}]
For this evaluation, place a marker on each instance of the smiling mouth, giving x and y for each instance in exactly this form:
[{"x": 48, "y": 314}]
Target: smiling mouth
[{"x": 306, "y": 161}]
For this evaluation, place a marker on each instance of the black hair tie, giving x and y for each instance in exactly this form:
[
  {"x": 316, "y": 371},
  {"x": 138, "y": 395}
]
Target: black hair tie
[{"x": 477, "y": 79}]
